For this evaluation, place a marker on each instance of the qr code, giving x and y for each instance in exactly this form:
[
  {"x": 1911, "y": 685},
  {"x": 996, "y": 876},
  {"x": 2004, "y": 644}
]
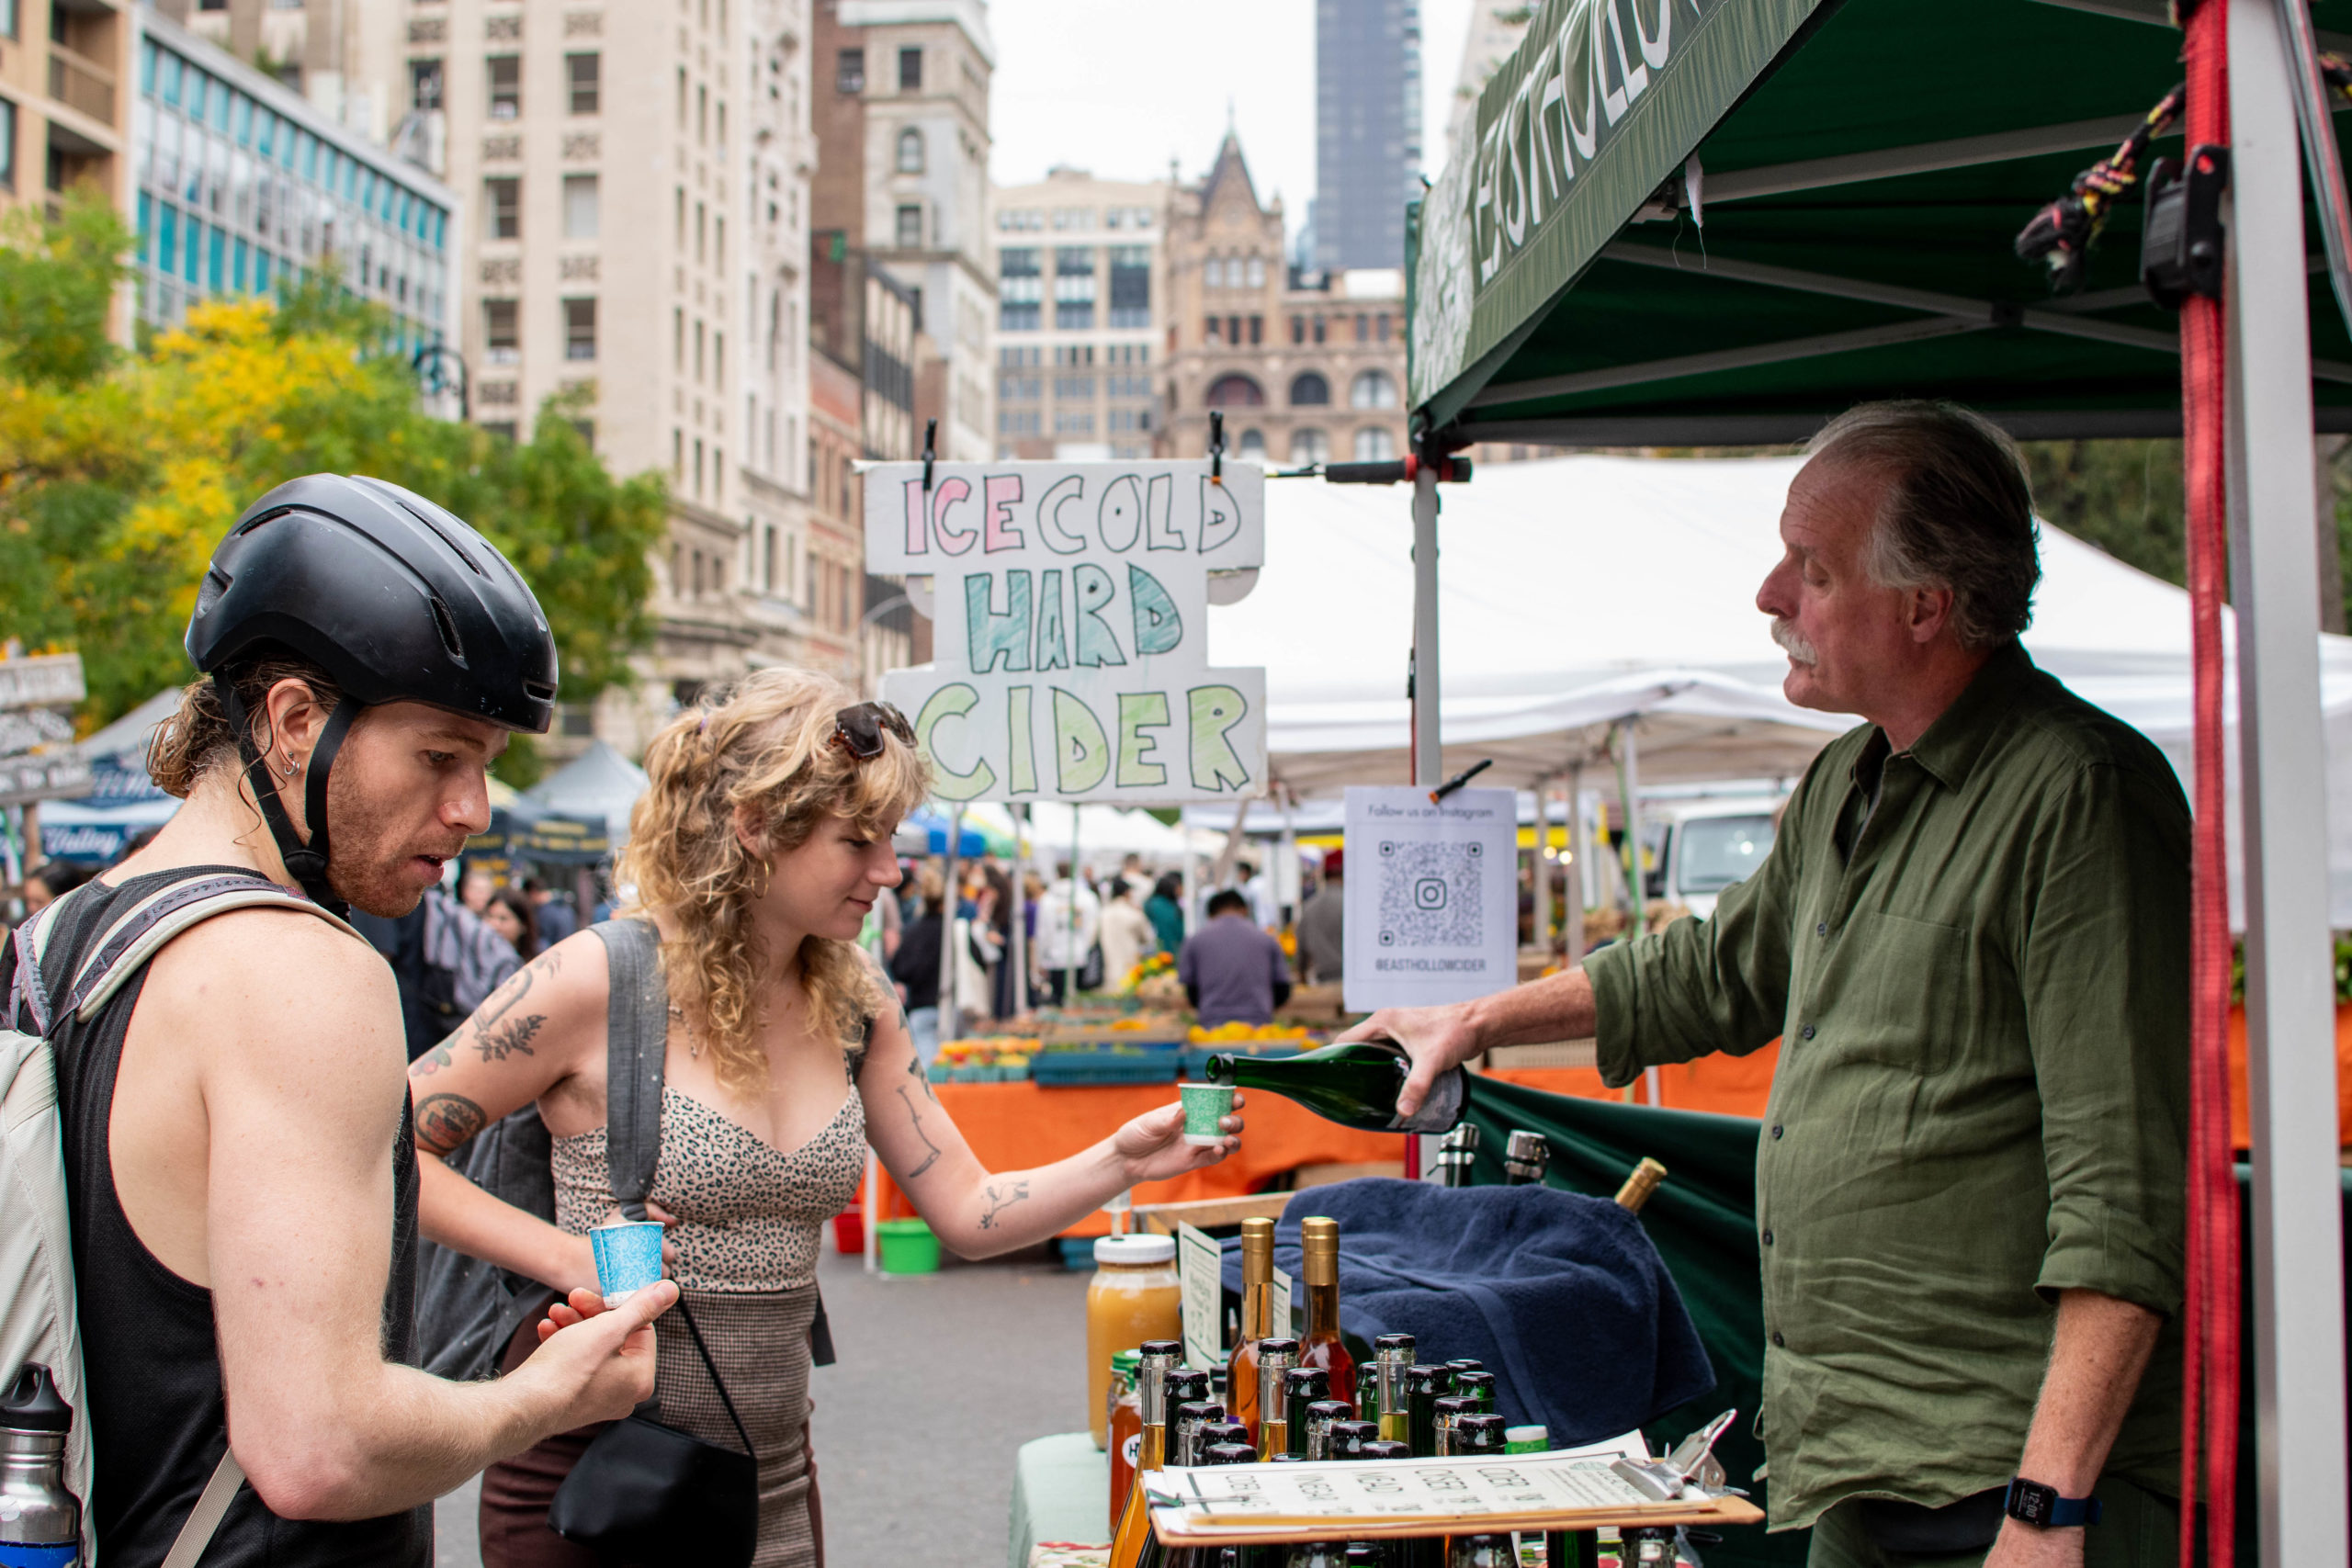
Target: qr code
[{"x": 1431, "y": 894}]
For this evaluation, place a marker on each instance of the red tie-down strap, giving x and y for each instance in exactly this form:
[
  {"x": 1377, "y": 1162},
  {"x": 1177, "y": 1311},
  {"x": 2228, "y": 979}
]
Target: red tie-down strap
[{"x": 2210, "y": 1386}]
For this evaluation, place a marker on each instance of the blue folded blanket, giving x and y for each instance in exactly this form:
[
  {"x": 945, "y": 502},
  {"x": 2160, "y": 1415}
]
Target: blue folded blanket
[{"x": 1562, "y": 1296}]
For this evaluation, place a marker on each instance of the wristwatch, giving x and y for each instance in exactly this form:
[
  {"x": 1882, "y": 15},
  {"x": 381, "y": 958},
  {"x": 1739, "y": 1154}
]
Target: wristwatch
[{"x": 2035, "y": 1504}]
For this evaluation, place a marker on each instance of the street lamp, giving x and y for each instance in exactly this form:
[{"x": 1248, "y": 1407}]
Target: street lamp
[{"x": 432, "y": 362}]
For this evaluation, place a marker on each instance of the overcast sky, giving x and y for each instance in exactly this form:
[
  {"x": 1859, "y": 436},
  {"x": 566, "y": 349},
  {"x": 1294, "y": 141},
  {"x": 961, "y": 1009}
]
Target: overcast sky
[{"x": 1120, "y": 87}]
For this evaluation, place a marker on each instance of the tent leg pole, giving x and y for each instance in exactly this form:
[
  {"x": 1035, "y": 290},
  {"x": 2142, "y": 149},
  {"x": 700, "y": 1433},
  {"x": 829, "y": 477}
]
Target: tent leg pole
[
  {"x": 1579, "y": 866},
  {"x": 1426, "y": 750},
  {"x": 1017, "y": 952},
  {"x": 2298, "y": 1242},
  {"x": 1542, "y": 934}
]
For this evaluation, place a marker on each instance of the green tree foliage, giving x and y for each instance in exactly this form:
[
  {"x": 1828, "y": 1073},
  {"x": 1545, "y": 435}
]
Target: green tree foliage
[
  {"x": 2128, "y": 499},
  {"x": 119, "y": 473}
]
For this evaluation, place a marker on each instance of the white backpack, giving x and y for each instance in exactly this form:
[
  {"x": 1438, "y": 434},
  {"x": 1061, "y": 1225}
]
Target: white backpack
[{"x": 37, "y": 1311}]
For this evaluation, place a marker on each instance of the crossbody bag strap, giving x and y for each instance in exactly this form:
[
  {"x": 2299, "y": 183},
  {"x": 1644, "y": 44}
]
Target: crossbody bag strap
[
  {"x": 636, "y": 1033},
  {"x": 715, "y": 1380},
  {"x": 211, "y": 1508}
]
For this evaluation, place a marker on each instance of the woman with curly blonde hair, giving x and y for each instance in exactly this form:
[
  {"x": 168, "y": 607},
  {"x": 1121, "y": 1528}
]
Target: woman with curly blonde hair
[{"x": 757, "y": 850}]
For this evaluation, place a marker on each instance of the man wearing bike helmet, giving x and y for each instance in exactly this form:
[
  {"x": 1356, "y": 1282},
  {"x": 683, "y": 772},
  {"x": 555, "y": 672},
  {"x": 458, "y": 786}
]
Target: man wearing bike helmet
[{"x": 238, "y": 1149}]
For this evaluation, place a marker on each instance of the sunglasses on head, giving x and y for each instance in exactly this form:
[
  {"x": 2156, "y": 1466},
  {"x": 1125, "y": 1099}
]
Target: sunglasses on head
[{"x": 858, "y": 730}]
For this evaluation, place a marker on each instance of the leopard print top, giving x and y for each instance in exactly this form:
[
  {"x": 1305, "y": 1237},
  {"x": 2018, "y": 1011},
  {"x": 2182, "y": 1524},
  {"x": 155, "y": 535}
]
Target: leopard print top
[{"x": 748, "y": 1213}]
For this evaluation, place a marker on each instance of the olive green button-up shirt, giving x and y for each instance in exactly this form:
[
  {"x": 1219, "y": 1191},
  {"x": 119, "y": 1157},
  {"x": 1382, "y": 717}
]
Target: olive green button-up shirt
[{"x": 1979, "y": 970}]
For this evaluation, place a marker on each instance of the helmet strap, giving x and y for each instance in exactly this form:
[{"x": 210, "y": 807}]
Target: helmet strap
[{"x": 306, "y": 864}]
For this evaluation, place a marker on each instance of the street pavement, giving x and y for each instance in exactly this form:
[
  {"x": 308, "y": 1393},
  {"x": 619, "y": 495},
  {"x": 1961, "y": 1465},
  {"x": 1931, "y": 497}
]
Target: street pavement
[{"x": 941, "y": 1378}]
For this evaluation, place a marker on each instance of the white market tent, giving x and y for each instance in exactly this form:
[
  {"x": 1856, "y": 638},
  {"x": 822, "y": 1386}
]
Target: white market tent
[
  {"x": 1576, "y": 592},
  {"x": 600, "y": 782}
]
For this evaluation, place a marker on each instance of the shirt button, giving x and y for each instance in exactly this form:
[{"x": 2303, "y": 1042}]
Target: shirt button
[
  {"x": 1778, "y": 1339},
  {"x": 1821, "y": 929},
  {"x": 1807, "y": 1031},
  {"x": 1776, "y": 1130},
  {"x": 1768, "y": 1239}
]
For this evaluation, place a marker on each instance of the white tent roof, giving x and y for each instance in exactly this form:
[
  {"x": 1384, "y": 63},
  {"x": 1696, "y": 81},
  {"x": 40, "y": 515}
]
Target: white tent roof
[
  {"x": 600, "y": 782},
  {"x": 1576, "y": 590}
]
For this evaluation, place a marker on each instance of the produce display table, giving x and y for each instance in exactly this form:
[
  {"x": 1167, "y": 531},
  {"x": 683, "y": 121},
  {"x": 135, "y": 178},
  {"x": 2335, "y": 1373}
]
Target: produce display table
[
  {"x": 1061, "y": 1492},
  {"x": 1012, "y": 1126}
]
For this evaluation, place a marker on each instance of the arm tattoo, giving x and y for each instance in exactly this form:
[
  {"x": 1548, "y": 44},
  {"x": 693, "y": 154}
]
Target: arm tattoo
[
  {"x": 916, "y": 1116},
  {"x": 432, "y": 1062},
  {"x": 914, "y": 1071},
  {"x": 444, "y": 1121},
  {"x": 999, "y": 1202},
  {"x": 514, "y": 1034}
]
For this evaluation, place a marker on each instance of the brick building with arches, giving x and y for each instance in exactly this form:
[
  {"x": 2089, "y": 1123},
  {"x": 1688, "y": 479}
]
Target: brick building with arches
[{"x": 1306, "y": 367}]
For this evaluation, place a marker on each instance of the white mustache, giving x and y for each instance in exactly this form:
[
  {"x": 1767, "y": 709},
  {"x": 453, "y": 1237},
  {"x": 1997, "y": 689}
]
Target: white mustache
[{"x": 1784, "y": 632}]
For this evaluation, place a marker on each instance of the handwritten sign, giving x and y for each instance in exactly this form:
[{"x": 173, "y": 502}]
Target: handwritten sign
[{"x": 1070, "y": 607}]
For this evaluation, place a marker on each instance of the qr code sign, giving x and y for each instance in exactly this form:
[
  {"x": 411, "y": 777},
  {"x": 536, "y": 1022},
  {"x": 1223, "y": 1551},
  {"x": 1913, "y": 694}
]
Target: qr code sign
[{"x": 1431, "y": 894}]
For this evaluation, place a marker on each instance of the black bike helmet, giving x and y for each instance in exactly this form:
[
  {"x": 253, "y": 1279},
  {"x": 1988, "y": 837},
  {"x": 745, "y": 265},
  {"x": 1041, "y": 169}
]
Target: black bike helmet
[{"x": 396, "y": 598}]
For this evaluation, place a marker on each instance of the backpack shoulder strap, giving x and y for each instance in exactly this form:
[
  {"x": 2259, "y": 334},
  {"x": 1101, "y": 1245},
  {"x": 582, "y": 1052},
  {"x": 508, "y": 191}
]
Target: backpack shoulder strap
[
  {"x": 636, "y": 1033},
  {"x": 139, "y": 932}
]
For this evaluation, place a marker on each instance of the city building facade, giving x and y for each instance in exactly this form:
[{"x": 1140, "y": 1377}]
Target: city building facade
[
  {"x": 903, "y": 179},
  {"x": 1081, "y": 283},
  {"x": 1305, "y": 366},
  {"x": 66, "y": 106},
  {"x": 605, "y": 152},
  {"x": 1367, "y": 130},
  {"x": 334, "y": 53},
  {"x": 244, "y": 185}
]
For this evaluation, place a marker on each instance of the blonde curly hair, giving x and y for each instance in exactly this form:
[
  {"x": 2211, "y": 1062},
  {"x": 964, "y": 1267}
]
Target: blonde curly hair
[{"x": 764, "y": 744}]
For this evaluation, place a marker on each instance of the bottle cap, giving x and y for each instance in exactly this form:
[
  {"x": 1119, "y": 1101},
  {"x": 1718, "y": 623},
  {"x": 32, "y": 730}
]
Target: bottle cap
[
  {"x": 1213, "y": 1432},
  {"x": 32, "y": 1404},
  {"x": 1297, "y": 1381},
  {"x": 1131, "y": 1251},
  {"x": 1353, "y": 1432},
  {"x": 1459, "y": 1404},
  {"x": 1256, "y": 1242},
  {"x": 1229, "y": 1453},
  {"x": 1463, "y": 1382},
  {"x": 1477, "y": 1423},
  {"x": 1527, "y": 1439},
  {"x": 1172, "y": 1349},
  {"x": 1276, "y": 1348},
  {"x": 1319, "y": 1245},
  {"x": 1466, "y": 1364},
  {"x": 1385, "y": 1447},
  {"x": 1186, "y": 1382},
  {"x": 1403, "y": 1342},
  {"x": 1333, "y": 1410},
  {"x": 1426, "y": 1379}
]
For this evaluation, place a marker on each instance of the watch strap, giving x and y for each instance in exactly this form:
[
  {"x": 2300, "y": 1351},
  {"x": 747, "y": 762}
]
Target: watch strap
[{"x": 2035, "y": 1504}]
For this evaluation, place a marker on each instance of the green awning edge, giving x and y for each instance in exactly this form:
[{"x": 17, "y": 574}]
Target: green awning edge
[{"x": 1455, "y": 326}]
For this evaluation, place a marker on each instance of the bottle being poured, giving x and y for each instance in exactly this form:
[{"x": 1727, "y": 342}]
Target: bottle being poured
[{"x": 1356, "y": 1084}]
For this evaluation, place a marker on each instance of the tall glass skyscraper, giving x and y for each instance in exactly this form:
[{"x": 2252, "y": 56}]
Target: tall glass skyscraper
[
  {"x": 243, "y": 186},
  {"x": 1367, "y": 129}
]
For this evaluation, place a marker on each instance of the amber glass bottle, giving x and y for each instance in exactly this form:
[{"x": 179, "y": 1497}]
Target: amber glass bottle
[
  {"x": 1257, "y": 1321},
  {"x": 1158, "y": 1363},
  {"x": 1322, "y": 1347}
]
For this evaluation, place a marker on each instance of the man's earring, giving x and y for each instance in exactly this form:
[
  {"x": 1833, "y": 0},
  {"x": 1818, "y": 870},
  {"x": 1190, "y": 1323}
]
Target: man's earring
[{"x": 289, "y": 764}]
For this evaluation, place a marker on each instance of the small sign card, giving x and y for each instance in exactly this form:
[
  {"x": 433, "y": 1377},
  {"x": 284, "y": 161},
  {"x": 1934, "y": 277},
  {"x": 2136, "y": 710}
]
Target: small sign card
[{"x": 1200, "y": 1265}]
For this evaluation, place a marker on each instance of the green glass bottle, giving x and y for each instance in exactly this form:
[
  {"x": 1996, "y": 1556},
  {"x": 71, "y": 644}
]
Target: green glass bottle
[{"x": 1355, "y": 1085}]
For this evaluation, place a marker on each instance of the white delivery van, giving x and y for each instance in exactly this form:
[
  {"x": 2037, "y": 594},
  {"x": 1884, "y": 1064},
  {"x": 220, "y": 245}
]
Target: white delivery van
[{"x": 1706, "y": 846}]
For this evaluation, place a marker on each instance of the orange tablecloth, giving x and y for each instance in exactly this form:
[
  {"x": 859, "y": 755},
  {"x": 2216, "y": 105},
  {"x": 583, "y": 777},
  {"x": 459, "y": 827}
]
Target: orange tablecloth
[{"x": 1012, "y": 1126}]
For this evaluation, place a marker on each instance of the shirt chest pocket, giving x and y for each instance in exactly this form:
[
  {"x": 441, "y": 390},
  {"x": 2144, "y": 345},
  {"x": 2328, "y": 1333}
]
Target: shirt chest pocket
[{"x": 1894, "y": 993}]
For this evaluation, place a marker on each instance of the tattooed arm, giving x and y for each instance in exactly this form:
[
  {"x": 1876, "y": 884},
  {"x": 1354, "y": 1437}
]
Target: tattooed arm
[
  {"x": 978, "y": 1213},
  {"x": 539, "y": 1037}
]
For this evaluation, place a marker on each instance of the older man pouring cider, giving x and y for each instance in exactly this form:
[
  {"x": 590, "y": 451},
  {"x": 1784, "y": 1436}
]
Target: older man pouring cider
[{"x": 1972, "y": 938}]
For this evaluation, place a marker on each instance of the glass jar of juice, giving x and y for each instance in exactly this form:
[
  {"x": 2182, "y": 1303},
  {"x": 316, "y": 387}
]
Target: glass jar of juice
[
  {"x": 1134, "y": 1296},
  {"x": 1125, "y": 1418}
]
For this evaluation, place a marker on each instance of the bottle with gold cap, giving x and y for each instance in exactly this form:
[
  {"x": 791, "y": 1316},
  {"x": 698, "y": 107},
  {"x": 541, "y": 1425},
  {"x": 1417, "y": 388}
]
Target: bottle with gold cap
[
  {"x": 1159, "y": 1367},
  {"x": 1640, "y": 1185},
  {"x": 1322, "y": 1347},
  {"x": 1257, "y": 1320}
]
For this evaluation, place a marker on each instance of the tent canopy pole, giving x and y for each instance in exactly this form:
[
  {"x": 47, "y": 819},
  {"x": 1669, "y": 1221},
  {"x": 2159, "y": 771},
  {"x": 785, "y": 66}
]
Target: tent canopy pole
[{"x": 2298, "y": 1242}]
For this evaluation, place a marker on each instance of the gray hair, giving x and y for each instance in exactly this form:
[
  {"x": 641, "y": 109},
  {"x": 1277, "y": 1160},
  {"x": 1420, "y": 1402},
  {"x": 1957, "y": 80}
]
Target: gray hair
[{"x": 1958, "y": 512}]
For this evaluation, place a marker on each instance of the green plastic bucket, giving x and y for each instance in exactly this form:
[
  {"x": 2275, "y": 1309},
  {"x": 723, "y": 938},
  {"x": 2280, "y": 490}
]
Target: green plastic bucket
[{"x": 908, "y": 1248}]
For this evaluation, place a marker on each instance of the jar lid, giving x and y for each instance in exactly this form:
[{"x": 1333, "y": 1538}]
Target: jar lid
[
  {"x": 1126, "y": 1251},
  {"x": 1126, "y": 1361}
]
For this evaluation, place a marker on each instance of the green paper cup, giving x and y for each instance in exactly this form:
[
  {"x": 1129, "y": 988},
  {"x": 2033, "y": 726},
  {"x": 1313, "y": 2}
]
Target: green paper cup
[{"x": 1206, "y": 1105}]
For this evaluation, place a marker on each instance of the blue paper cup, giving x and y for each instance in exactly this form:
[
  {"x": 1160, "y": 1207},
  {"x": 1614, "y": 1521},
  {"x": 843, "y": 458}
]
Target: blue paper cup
[{"x": 629, "y": 1258}]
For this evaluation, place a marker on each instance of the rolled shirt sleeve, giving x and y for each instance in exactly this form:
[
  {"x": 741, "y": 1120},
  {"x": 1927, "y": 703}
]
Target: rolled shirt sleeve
[{"x": 2104, "y": 945}]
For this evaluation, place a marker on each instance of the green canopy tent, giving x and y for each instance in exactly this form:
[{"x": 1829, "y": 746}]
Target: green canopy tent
[{"x": 1722, "y": 221}]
